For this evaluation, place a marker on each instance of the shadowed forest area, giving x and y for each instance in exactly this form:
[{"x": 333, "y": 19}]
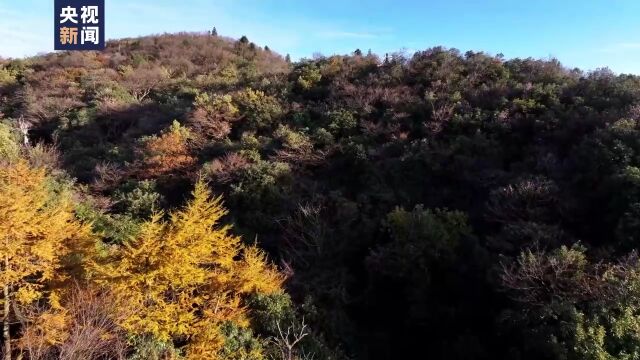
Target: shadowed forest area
[{"x": 200, "y": 197}]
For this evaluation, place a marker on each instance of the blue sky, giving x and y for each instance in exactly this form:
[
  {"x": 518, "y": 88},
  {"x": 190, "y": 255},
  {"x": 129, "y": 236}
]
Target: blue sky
[{"x": 586, "y": 34}]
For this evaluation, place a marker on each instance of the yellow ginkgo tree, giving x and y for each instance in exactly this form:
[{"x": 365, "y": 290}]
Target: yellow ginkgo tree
[
  {"x": 182, "y": 278},
  {"x": 38, "y": 233}
]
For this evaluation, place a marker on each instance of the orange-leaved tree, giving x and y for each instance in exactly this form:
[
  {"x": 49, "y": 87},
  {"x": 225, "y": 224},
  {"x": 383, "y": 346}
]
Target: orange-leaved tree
[
  {"x": 38, "y": 234},
  {"x": 181, "y": 279},
  {"x": 166, "y": 154}
]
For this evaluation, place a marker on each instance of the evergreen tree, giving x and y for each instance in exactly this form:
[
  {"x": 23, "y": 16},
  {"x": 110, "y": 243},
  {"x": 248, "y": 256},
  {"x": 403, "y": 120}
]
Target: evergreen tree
[
  {"x": 38, "y": 230},
  {"x": 185, "y": 278}
]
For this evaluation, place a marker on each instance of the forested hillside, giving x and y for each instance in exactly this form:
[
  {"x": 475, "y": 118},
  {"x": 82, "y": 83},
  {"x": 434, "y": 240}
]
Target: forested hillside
[{"x": 195, "y": 196}]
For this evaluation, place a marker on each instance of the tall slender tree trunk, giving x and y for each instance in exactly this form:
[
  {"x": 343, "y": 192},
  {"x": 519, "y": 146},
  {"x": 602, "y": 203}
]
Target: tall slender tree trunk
[
  {"x": 6, "y": 335},
  {"x": 6, "y": 307}
]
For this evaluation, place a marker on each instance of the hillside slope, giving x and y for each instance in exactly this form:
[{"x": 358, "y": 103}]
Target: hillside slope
[{"x": 459, "y": 206}]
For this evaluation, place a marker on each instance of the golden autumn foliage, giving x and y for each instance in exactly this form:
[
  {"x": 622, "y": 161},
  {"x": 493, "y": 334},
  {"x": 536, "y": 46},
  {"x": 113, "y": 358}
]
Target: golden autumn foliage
[
  {"x": 181, "y": 279},
  {"x": 166, "y": 154},
  {"x": 38, "y": 231}
]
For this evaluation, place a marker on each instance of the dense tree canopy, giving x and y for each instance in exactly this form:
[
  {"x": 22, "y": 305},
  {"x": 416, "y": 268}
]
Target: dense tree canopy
[{"x": 453, "y": 205}]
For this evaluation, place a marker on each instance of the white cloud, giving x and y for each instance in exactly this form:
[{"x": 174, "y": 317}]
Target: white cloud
[
  {"x": 630, "y": 45},
  {"x": 621, "y": 47},
  {"x": 20, "y": 41},
  {"x": 22, "y": 36},
  {"x": 347, "y": 35}
]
